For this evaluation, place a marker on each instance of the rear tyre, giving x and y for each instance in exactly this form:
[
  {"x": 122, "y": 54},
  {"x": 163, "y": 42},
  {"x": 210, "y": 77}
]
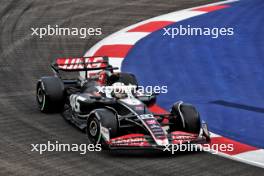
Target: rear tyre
[
  {"x": 101, "y": 118},
  {"x": 50, "y": 94},
  {"x": 185, "y": 118}
]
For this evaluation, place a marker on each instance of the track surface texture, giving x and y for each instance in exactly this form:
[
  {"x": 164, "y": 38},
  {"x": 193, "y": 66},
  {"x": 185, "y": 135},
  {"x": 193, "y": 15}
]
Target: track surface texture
[{"x": 25, "y": 58}]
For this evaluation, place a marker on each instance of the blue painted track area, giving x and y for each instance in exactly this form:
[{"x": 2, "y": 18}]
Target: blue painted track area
[{"x": 223, "y": 77}]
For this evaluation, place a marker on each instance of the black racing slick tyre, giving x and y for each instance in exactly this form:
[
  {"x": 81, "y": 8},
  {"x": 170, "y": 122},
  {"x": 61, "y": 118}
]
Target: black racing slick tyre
[
  {"x": 99, "y": 120},
  {"x": 185, "y": 117},
  {"x": 126, "y": 78},
  {"x": 50, "y": 94}
]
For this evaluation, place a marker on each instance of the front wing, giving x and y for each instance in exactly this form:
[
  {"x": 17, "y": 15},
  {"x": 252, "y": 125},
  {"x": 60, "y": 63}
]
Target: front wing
[{"x": 141, "y": 141}]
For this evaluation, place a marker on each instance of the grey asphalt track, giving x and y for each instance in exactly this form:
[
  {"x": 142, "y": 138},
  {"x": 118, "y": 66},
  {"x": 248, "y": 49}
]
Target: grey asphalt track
[{"x": 25, "y": 58}]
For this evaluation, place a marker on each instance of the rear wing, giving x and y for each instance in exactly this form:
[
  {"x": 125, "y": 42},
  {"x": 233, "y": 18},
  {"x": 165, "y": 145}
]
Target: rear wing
[{"x": 74, "y": 64}]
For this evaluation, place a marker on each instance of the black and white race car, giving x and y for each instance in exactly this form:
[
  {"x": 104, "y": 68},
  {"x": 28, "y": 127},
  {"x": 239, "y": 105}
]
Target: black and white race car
[{"x": 114, "y": 114}]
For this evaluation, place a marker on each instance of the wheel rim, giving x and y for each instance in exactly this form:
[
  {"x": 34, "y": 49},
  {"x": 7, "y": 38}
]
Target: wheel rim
[
  {"x": 93, "y": 128},
  {"x": 40, "y": 95},
  {"x": 41, "y": 98}
]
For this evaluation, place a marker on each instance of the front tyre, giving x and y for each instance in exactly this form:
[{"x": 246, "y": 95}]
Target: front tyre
[
  {"x": 184, "y": 117},
  {"x": 99, "y": 119},
  {"x": 93, "y": 130}
]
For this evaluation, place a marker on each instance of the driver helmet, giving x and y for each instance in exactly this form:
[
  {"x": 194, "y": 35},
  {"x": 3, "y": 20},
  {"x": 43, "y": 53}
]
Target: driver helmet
[{"x": 118, "y": 92}]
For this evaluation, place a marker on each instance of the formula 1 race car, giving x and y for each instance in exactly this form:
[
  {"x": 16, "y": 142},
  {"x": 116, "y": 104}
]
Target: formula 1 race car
[{"x": 113, "y": 112}]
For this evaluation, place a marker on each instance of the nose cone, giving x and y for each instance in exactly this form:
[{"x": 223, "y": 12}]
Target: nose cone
[{"x": 162, "y": 142}]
